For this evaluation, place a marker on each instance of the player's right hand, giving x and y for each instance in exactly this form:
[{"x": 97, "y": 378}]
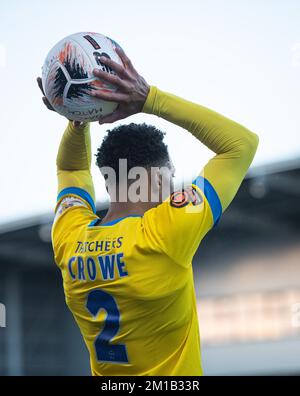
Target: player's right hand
[
  {"x": 45, "y": 100},
  {"x": 132, "y": 89}
]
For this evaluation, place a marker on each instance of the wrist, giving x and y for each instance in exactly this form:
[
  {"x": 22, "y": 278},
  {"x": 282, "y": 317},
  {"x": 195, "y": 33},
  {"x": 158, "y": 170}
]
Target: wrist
[
  {"x": 79, "y": 127},
  {"x": 148, "y": 106}
]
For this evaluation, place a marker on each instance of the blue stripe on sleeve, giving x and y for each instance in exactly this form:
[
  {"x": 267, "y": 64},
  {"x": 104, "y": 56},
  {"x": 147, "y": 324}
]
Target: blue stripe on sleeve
[
  {"x": 211, "y": 196},
  {"x": 94, "y": 222},
  {"x": 81, "y": 193}
]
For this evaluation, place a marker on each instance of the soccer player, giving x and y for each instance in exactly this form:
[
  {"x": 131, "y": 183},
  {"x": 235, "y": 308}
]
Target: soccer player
[{"x": 128, "y": 277}]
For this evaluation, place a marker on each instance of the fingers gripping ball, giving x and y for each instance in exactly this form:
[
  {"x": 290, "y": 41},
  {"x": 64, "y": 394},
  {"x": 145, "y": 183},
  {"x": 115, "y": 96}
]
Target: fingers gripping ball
[{"x": 68, "y": 78}]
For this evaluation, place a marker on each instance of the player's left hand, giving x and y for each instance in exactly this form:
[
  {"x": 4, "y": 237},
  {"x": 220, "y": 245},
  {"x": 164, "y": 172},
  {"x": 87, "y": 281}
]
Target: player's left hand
[{"x": 132, "y": 89}]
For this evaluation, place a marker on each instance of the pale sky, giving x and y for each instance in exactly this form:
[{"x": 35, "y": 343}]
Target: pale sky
[{"x": 238, "y": 57}]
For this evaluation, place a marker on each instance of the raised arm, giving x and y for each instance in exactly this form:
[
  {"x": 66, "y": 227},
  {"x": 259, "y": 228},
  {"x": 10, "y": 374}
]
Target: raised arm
[
  {"x": 234, "y": 145},
  {"x": 74, "y": 164},
  {"x": 177, "y": 228},
  {"x": 74, "y": 161}
]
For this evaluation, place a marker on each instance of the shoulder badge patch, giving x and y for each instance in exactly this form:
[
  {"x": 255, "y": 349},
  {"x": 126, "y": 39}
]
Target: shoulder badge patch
[
  {"x": 181, "y": 198},
  {"x": 68, "y": 202}
]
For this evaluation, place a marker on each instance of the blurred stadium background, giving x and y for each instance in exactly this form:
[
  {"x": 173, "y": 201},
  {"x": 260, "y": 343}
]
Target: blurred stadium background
[
  {"x": 247, "y": 277},
  {"x": 244, "y": 62}
]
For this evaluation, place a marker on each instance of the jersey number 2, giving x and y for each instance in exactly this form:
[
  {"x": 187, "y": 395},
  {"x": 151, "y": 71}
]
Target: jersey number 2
[{"x": 106, "y": 352}]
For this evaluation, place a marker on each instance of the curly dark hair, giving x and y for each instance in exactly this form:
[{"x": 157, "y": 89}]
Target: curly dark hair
[{"x": 141, "y": 144}]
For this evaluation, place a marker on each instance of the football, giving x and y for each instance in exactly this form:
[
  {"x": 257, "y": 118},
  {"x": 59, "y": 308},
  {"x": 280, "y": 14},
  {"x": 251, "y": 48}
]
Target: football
[{"x": 67, "y": 76}]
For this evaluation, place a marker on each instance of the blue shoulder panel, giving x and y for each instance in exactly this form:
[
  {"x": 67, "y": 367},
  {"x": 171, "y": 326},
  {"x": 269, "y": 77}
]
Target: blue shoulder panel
[{"x": 211, "y": 196}]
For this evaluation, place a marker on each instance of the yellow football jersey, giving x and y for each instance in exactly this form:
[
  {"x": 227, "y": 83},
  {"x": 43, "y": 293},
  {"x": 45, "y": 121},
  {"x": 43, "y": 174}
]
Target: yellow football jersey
[{"x": 129, "y": 283}]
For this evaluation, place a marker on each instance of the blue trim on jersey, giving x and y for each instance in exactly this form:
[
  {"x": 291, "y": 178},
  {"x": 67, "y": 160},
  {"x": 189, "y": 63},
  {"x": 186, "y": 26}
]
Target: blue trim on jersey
[
  {"x": 81, "y": 193},
  {"x": 93, "y": 222},
  {"x": 211, "y": 196},
  {"x": 111, "y": 222}
]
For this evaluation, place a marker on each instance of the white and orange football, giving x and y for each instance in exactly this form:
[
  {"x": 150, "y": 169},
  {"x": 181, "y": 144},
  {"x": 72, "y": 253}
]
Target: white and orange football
[{"x": 67, "y": 76}]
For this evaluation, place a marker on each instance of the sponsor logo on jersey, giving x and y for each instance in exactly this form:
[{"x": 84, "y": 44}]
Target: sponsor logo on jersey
[{"x": 99, "y": 246}]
